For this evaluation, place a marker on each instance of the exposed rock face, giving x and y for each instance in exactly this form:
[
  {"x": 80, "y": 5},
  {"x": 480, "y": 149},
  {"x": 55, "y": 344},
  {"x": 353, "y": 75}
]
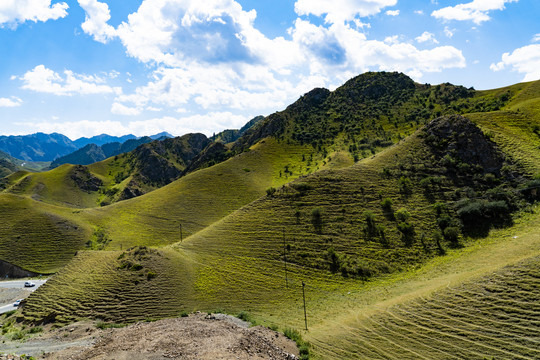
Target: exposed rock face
[
  {"x": 84, "y": 180},
  {"x": 213, "y": 154},
  {"x": 161, "y": 162},
  {"x": 11, "y": 271},
  {"x": 460, "y": 138}
]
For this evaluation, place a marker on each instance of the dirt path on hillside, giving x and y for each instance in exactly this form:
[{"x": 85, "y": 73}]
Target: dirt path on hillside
[{"x": 198, "y": 336}]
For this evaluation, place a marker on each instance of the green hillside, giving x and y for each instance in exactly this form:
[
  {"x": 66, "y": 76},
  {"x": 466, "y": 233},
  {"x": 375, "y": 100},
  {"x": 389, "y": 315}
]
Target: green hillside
[
  {"x": 199, "y": 199},
  {"x": 128, "y": 175},
  {"x": 346, "y": 246},
  {"x": 67, "y": 185},
  {"x": 39, "y": 237},
  {"x": 396, "y": 220},
  {"x": 9, "y": 165}
]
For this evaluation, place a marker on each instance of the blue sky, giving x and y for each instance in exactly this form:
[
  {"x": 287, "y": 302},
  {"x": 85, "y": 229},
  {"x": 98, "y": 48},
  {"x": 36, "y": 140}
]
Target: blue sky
[{"x": 86, "y": 67}]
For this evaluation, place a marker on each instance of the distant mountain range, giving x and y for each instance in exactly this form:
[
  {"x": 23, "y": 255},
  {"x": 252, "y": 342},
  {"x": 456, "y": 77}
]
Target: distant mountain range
[
  {"x": 48, "y": 147},
  {"x": 92, "y": 152}
]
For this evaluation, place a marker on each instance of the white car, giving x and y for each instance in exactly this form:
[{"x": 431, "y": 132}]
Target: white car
[
  {"x": 17, "y": 303},
  {"x": 29, "y": 284}
]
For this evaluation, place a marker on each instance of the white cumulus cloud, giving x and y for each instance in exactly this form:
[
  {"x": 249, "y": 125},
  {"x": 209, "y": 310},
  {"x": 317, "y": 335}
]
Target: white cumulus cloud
[
  {"x": 525, "y": 60},
  {"x": 95, "y": 24},
  {"x": 13, "y": 12},
  {"x": 392, "y": 12},
  {"x": 427, "y": 37},
  {"x": 341, "y": 10},
  {"x": 536, "y": 38},
  {"x": 476, "y": 11},
  {"x": 209, "y": 54},
  {"x": 44, "y": 80},
  {"x": 10, "y": 102},
  {"x": 120, "y": 109}
]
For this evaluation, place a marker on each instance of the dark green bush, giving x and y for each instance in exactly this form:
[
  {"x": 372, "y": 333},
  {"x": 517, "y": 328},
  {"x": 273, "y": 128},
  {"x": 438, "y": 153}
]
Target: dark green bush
[
  {"x": 316, "y": 219},
  {"x": 451, "y": 234},
  {"x": 403, "y": 215},
  {"x": 407, "y": 233},
  {"x": 386, "y": 204}
]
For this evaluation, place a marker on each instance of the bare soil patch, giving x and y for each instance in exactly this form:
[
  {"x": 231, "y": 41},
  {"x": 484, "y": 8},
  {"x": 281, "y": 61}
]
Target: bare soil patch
[{"x": 198, "y": 336}]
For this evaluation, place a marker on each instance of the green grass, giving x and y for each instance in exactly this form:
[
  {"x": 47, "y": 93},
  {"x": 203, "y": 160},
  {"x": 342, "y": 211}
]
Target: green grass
[
  {"x": 493, "y": 316},
  {"x": 36, "y": 236},
  {"x": 253, "y": 237},
  {"x": 198, "y": 199},
  {"x": 55, "y": 187}
]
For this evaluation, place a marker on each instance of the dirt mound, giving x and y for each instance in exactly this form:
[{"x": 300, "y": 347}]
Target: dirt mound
[{"x": 198, "y": 336}]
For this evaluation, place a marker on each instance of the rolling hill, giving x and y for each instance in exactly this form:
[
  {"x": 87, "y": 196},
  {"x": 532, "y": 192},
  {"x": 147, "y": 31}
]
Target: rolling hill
[{"x": 399, "y": 215}]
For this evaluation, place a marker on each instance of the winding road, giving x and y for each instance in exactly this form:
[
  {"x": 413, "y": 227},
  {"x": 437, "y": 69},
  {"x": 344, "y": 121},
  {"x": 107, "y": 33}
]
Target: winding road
[{"x": 18, "y": 284}]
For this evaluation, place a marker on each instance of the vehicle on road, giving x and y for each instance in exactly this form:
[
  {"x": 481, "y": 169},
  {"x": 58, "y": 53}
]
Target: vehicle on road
[
  {"x": 17, "y": 303},
  {"x": 29, "y": 284}
]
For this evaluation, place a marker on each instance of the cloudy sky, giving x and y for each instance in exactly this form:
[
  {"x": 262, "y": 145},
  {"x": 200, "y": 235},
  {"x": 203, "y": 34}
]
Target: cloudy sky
[{"x": 86, "y": 67}]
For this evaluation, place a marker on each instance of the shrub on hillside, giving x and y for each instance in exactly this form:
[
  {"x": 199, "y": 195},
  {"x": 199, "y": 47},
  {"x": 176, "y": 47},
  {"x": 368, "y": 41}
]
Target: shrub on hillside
[
  {"x": 386, "y": 204},
  {"x": 316, "y": 219},
  {"x": 451, "y": 234},
  {"x": 407, "y": 233},
  {"x": 403, "y": 215}
]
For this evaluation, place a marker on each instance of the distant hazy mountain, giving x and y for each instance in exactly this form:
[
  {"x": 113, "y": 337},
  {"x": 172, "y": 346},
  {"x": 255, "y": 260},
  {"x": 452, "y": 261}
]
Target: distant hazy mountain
[
  {"x": 48, "y": 147},
  {"x": 37, "y": 147},
  {"x": 161, "y": 136},
  {"x": 102, "y": 140},
  {"x": 92, "y": 153}
]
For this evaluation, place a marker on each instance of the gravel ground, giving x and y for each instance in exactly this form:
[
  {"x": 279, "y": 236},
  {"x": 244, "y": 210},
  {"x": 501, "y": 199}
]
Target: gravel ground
[
  {"x": 198, "y": 336},
  {"x": 8, "y": 296}
]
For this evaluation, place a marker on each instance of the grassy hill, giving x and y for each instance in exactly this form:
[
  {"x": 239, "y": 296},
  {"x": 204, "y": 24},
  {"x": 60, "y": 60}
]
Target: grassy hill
[
  {"x": 345, "y": 246},
  {"x": 124, "y": 176},
  {"x": 448, "y": 206},
  {"x": 39, "y": 237},
  {"x": 9, "y": 165}
]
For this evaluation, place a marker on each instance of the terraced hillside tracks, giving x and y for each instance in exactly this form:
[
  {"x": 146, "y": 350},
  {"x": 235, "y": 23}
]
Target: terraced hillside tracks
[{"x": 497, "y": 317}]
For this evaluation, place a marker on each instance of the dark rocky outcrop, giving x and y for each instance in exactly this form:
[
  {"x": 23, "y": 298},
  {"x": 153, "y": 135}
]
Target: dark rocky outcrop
[
  {"x": 84, "y": 180},
  {"x": 12, "y": 271},
  {"x": 459, "y": 138}
]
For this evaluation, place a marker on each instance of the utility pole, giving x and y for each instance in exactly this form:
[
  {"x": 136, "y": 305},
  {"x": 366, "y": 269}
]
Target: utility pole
[
  {"x": 304, "y": 296},
  {"x": 285, "y": 259}
]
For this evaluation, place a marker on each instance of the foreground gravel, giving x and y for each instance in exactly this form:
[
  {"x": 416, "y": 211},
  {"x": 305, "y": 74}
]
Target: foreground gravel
[{"x": 198, "y": 336}]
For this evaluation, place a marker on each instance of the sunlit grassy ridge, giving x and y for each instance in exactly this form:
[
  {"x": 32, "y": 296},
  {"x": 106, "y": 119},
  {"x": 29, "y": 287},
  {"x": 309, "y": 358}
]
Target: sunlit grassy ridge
[
  {"x": 38, "y": 237},
  {"x": 65, "y": 186},
  {"x": 516, "y": 128},
  {"x": 198, "y": 199},
  {"x": 142, "y": 284},
  {"x": 494, "y": 317}
]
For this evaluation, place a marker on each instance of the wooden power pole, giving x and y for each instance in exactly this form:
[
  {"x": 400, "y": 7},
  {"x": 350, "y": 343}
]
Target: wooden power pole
[
  {"x": 304, "y": 296},
  {"x": 285, "y": 260}
]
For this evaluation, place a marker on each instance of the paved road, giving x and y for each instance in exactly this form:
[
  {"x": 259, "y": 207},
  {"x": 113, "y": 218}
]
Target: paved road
[
  {"x": 5, "y": 309},
  {"x": 18, "y": 284}
]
